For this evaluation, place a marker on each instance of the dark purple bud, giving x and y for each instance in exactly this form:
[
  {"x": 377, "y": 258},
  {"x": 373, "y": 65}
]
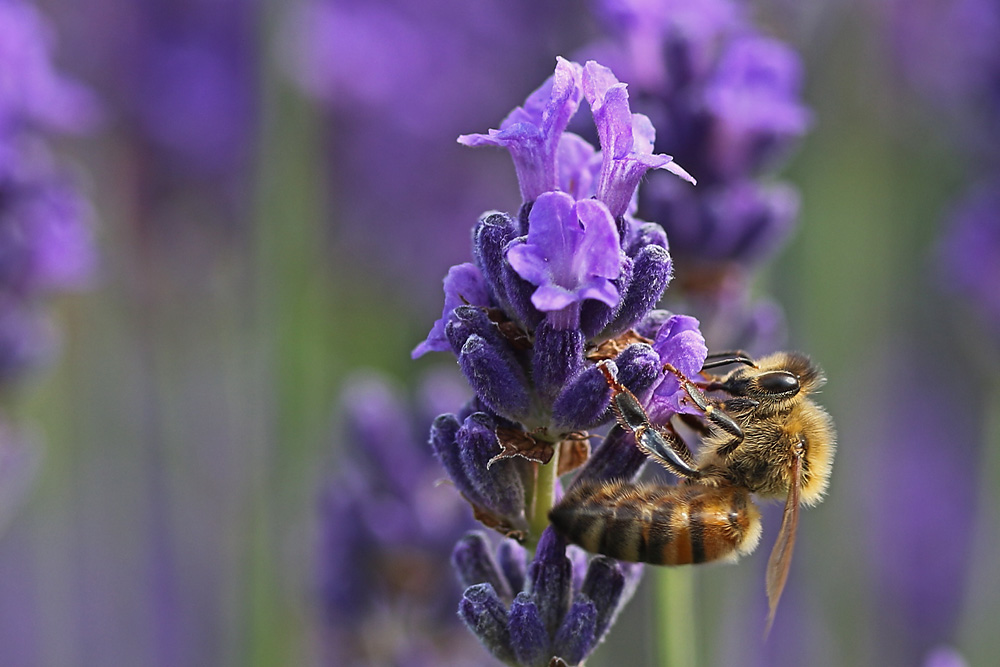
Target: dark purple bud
[
  {"x": 639, "y": 368},
  {"x": 473, "y": 560},
  {"x": 528, "y": 637},
  {"x": 550, "y": 578},
  {"x": 484, "y": 614},
  {"x": 646, "y": 234},
  {"x": 496, "y": 377},
  {"x": 595, "y": 315},
  {"x": 617, "y": 457},
  {"x": 519, "y": 293},
  {"x": 558, "y": 356},
  {"x": 651, "y": 272},
  {"x": 513, "y": 563},
  {"x": 444, "y": 441},
  {"x": 468, "y": 320},
  {"x": 604, "y": 584},
  {"x": 575, "y": 637},
  {"x": 498, "y": 485},
  {"x": 489, "y": 243},
  {"x": 584, "y": 402}
]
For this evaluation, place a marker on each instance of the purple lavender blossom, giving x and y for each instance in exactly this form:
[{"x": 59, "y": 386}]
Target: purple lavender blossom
[{"x": 525, "y": 320}]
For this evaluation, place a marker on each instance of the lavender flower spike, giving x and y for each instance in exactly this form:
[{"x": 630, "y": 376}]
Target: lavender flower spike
[
  {"x": 626, "y": 140},
  {"x": 572, "y": 253},
  {"x": 531, "y": 133}
]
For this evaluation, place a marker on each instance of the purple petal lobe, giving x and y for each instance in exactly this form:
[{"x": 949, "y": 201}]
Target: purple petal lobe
[{"x": 463, "y": 285}]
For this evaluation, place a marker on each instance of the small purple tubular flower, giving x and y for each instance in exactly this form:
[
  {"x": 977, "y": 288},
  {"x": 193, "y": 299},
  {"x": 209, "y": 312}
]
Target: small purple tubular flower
[
  {"x": 626, "y": 140},
  {"x": 550, "y": 578},
  {"x": 499, "y": 485},
  {"x": 483, "y": 612},
  {"x": 444, "y": 441},
  {"x": 651, "y": 273},
  {"x": 530, "y": 640},
  {"x": 558, "y": 356},
  {"x": 583, "y": 402},
  {"x": 617, "y": 457},
  {"x": 679, "y": 343},
  {"x": 490, "y": 238},
  {"x": 572, "y": 252},
  {"x": 473, "y": 561},
  {"x": 468, "y": 321},
  {"x": 531, "y": 133},
  {"x": 463, "y": 285},
  {"x": 575, "y": 638},
  {"x": 496, "y": 377},
  {"x": 604, "y": 584}
]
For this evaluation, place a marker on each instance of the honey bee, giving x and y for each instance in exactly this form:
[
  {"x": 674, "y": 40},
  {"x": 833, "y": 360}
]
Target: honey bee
[{"x": 763, "y": 436}]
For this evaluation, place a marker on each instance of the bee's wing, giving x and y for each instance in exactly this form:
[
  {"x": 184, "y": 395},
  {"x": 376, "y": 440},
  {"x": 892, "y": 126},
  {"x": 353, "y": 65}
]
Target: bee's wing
[{"x": 781, "y": 556}]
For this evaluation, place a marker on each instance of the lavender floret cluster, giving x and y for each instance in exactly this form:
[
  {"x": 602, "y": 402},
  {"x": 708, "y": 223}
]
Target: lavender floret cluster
[
  {"x": 726, "y": 100},
  {"x": 45, "y": 233},
  {"x": 570, "y": 280}
]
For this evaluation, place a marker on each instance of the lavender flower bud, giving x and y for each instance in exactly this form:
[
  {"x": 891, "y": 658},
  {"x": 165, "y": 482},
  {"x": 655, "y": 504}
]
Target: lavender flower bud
[
  {"x": 444, "y": 441},
  {"x": 492, "y": 234},
  {"x": 528, "y": 637},
  {"x": 484, "y": 614},
  {"x": 474, "y": 562},
  {"x": 639, "y": 368},
  {"x": 558, "y": 356},
  {"x": 550, "y": 577},
  {"x": 651, "y": 272},
  {"x": 648, "y": 233},
  {"x": 604, "y": 584},
  {"x": 575, "y": 637},
  {"x": 467, "y": 321},
  {"x": 499, "y": 485},
  {"x": 617, "y": 457},
  {"x": 519, "y": 293},
  {"x": 496, "y": 377},
  {"x": 583, "y": 402},
  {"x": 513, "y": 563}
]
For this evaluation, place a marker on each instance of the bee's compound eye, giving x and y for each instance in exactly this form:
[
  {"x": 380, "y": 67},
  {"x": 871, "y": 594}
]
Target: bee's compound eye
[{"x": 778, "y": 382}]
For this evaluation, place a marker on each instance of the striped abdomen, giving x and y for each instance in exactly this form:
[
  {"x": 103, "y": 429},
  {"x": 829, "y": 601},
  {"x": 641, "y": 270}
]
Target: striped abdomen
[{"x": 662, "y": 525}]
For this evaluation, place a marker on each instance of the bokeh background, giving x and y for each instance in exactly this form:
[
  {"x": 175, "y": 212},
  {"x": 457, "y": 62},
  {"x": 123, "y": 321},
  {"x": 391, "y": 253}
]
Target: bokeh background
[{"x": 277, "y": 193}]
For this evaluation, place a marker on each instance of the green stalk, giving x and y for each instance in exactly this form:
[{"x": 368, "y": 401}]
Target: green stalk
[
  {"x": 543, "y": 498},
  {"x": 676, "y": 643}
]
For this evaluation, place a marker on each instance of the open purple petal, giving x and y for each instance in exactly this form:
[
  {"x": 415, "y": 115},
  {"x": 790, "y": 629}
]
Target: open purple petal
[
  {"x": 678, "y": 342},
  {"x": 531, "y": 133},
  {"x": 464, "y": 285}
]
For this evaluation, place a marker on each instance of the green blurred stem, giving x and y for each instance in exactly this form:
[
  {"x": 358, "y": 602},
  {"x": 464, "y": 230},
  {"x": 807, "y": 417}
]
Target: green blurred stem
[
  {"x": 675, "y": 617},
  {"x": 543, "y": 497}
]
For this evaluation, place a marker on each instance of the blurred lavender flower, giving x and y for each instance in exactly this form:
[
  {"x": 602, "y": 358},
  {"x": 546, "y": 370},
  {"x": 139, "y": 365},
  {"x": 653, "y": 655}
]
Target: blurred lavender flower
[
  {"x": 970, "y": 252},
  {"x": 387, "y": 529},
  {"x": 949, "y": 51},
  {"x": 726, "y": 101},
  {"x": 45, "y": 233},
  {"x": 550, "y": 293}
]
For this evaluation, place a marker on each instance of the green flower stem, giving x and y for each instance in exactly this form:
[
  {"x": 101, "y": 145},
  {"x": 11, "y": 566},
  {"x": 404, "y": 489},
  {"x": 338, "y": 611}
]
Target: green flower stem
[
  {"x": 542, "y": 498},
  {"x": 675, "y": 617}
]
